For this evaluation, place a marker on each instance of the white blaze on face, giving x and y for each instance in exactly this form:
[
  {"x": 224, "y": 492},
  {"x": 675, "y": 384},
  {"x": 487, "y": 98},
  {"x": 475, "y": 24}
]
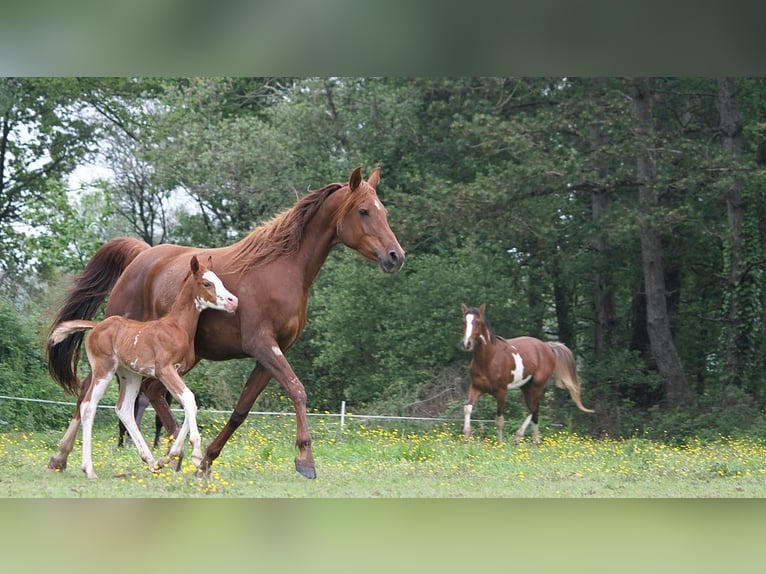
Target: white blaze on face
[
  {"x": 377, "y": 205},
  {"x": 221, "y": 293},
  {"x": 519, "y": 380},
  {"x": 468, "y": 329}
]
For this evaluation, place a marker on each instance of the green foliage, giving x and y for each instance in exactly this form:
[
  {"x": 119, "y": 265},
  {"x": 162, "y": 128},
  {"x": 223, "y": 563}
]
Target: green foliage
[
  {"x": 492, "y": 187},
  {"x": 23, "y": 375}
]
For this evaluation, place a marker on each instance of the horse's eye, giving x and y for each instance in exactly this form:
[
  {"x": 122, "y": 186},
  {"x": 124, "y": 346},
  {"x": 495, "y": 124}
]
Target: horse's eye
[
  {"x": 206, "y": 285},
  {"x": 363, "y": 212}
]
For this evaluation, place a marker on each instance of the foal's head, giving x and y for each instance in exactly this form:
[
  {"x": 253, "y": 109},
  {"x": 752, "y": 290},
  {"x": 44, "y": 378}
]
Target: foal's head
[
  {"x": 209, "y": 292},
  {"x": 475, "y": 327},
  {"x": 363, "y": 223}
]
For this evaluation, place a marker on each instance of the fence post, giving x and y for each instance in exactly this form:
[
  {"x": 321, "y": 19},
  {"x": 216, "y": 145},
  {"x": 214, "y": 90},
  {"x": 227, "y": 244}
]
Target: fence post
[{"x": 342, "y": 415}]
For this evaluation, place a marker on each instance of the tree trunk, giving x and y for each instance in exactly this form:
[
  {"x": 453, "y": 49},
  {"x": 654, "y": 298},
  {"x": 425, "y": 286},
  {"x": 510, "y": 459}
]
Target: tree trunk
[
  {"x": 658, "y": 322},
  {"x": 731, "y": 138},
  {"x": 604, "y": 306}
]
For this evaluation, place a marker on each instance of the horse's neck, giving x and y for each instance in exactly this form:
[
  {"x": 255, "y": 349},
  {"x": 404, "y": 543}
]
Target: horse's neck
[
  {"x": 184, "y": 312},
  {"x": 487, "y": 344},
  {"x": 319, "y": 237}
]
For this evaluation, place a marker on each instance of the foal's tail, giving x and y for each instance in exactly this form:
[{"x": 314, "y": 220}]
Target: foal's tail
[
  {"x": 565, "y": 373},
  {"x": 89, "y": 292},
  {"x": 63, "y": 330}
]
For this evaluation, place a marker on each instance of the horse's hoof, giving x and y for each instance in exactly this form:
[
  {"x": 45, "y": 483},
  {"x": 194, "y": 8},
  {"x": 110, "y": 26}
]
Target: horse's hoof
[
  {"x": 305, "y": 469},
  {"x": 55, "y": 464}
]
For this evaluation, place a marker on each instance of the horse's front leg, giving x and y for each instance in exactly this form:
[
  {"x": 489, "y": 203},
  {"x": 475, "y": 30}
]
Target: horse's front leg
[
  {"x": 59, "y": 460},
  {"x": 255, "y": 384},
  {"x": 185, "y": 397},
  {"x": 499, "y": 419},
  {"x": 156, "y": 392},
  {"x": 473, "y": 396}
]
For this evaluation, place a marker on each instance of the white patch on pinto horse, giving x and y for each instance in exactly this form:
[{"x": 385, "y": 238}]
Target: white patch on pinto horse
[{"x": 519, "y": 380}]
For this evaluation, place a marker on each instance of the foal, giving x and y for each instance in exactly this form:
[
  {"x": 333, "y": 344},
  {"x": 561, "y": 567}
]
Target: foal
[
  {"x": 500, "y": 365},
  {"x": 161, "y": 348}
]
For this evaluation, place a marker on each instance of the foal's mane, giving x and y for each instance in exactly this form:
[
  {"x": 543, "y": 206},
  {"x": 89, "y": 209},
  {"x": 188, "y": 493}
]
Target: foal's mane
[{"x": 282, "y": 234}]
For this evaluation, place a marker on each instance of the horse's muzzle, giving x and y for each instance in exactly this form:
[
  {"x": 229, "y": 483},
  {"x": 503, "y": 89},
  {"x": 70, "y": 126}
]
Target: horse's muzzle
[
  {"x": 392, "y": 261},
  {"x": 466, "y": 345}
]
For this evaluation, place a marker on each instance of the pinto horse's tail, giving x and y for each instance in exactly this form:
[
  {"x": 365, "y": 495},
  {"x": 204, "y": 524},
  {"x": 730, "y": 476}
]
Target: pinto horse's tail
[
  {"x": 89, "y": 292},
  {"x": 565, "y": 373}
]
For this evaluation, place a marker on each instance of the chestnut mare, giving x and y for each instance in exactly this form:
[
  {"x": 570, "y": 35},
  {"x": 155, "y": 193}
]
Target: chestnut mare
[
  {"x": 136, "y": 349},
  {"x": 271, "y": 270},
  {"x": 500, "y": 365}
]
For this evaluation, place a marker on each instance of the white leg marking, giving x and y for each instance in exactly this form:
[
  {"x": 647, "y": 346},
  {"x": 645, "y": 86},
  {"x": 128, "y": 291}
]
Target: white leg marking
[
  {"x": 277, "y": 351},
  {"x": 467, "y": 409},
  {"x": 523, "y": 427}
]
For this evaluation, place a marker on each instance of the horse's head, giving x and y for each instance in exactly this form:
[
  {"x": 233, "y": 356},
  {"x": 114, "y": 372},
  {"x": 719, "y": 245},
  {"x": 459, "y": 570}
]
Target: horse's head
[
  {"x": 363, "y": 223},
  {"x": 474, "y": 326},
  {"x": 209, "y": 292}
]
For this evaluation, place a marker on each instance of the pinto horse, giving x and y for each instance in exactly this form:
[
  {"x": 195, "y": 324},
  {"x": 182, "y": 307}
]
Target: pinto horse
[
  {"x": 137, "y": 349},
  {"x": 271, "y": 270},
  {"x": 500, "y": 365}
]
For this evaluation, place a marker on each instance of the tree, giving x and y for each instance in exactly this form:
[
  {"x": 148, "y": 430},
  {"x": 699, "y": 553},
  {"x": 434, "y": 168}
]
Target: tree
[
  {"x": 658, "y": 324},
  {"x": 42, "y": 139}
]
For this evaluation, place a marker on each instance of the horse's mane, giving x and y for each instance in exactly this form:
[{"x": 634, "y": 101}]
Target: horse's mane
[
  {"x": 282, "y": 234},
  {"x": 492, "y": 335}
]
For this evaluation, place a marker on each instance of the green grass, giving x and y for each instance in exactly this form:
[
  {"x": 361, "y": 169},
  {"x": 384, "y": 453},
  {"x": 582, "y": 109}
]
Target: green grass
[{"x": 373, "y": 461}]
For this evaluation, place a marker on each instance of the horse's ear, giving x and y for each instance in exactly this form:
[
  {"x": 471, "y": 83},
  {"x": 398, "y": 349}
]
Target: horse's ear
[
  {"x": 374, "y": 178},
  {"x": 210, "y": 261},
  {"x": 465, "y": 309},
  {"x": 355, "y": 179},
  {"x": 194, "y": 264},
  {"x": 481, "y": 308}
]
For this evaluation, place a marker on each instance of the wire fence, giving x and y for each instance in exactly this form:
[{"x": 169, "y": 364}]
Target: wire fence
[{"x": 343, "y": 415}]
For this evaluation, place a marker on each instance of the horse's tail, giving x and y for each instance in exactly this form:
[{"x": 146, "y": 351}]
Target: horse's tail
[
  {"x": 63, "y": 330},
  {"x": 565, "y": 373},
  {"x": 89, "y": 292}
]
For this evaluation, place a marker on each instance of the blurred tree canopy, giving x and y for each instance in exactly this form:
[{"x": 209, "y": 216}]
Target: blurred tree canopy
[{"x": 622, "y": 216}]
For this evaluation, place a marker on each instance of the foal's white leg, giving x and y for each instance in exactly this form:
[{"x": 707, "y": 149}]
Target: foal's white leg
[
  {"x": 87, "y": 414},
  {"x": 189, "y": 426},
  {"x": 523, "y": 428},
  {"x": 130, "y": 384}
]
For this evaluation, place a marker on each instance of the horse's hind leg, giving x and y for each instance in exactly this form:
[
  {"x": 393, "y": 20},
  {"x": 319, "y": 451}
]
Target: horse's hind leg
[
  {"x": 499, "y": 420},
  {"x": 59, "y": 460},
  {"x": 88, "y": 408},
  {"x": 532, "y": 394},
  {"x": 130, "y": 385}
]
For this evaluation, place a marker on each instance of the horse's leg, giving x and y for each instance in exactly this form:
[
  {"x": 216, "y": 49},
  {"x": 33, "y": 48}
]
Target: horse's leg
[
  {"x": 532, "y": 393},
  {"x": 66, "y": 444},
  {"x": 473, "y": 396},
  {"x": 88, "y": 406},
  {"x": 130, "y": 386},
  {"x": 158, "y": 422},
  {"x": 256, "y": 382},
  {"x": 186, "y": 399},
  {"x": 138, "y": 413},
  {"x": 157, "y": 394},
  {"x": 499, "y": 419}
]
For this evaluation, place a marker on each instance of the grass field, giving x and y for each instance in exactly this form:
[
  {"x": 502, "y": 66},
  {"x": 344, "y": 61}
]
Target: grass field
[{"x": 386, "y": 461}]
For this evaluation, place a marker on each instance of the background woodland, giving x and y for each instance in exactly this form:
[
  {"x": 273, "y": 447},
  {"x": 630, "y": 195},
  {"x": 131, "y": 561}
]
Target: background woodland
[{"x": 625, "y": 217}]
